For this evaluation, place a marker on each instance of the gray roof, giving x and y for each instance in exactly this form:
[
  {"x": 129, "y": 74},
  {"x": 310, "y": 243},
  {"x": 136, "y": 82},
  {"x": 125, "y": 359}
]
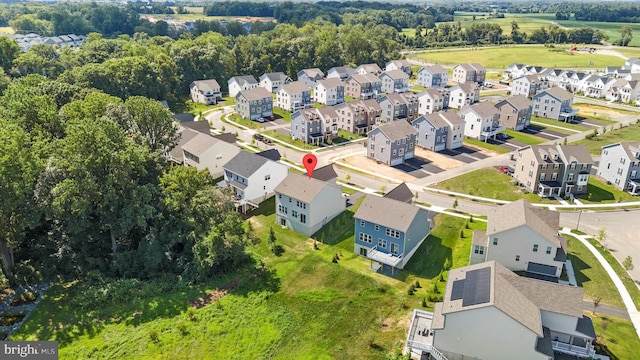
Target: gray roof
[
  {"x": 518, "y": 213},
  {"x": 185, "y": 136},
  {"x": 199, "y": 144},
  {"x": 199, "y": 126},
  {"x": 226, "y": 137},
  {"x": 543, "y": 344},
  {"x": 577, "y": 153},
  {"x": 312, "y": 73},
  {"x": 324, "y": 173},
  {"x": 397, "y": 130},
  {"x": 371, "y": 105},
  {"x": 389, "y": 213},
  {"x": 258, "y": 93},
  {"x": 395, "y": 74},
  {"x": 400, "y": 63},
  {"x": 479, "y": 237},
  {"x": 467, "y": 87},
  {"x": 431, "y": 93},
  {"x": 271, "y": 154},
  {"x": 473, "y": 67},
  {"x": 295, "y": 87},
  {"x": 327, "y": 112},
  {"x": 400, "y": 193},
  {"x": 483, "y": 109},
  {"x": 300, "y": 187},
  {"x": 249, "y": 79},
  {"x": 436, "y": 120},
  {"x": 557, "y": 93},
  {"x": 364, "y": 79},
  {"x": 585, "y": 326},
  {"x": 343, "y": 70},
  {"x": 210, "y": 84},
  {"x": 451, "y": 118},
  {"x": 630, "y": 148},
  {"x": 276, "y": 76},
  {"x": 434, "y": 69},
  {"x": 370, "y": 68},
  {"x": 245, "y": 163},
  {"x": 330, "y": 83},
  {"x": 519, "y": 102},
  {"x": 549, "y": 296}
]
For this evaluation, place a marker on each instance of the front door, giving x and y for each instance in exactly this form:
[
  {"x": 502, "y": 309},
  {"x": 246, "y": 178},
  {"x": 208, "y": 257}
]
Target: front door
[
  {"x": 394, "y": 248},
  {"x": 363, "y": 252},
  {"x": 283, "y": 221}
]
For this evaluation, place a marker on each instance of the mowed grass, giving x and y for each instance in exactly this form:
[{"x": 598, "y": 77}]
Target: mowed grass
[
  {"x": 598, "y": 192},
  {"x": 488, "y": 146},
  {"x": 617, "y": 336},
  {"x": 591, "y": 275},
  {"x": 501, "y": 57},
  {"x": 558, "y": 126},
  {"x": 490, "y": 183},
  {"x": 628, "y": 133},
  {"x": 524, "y": 137}
]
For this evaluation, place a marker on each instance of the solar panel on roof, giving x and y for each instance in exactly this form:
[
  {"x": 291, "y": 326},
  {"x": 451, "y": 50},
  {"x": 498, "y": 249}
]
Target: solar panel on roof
[
  {"x": 477, "y": 287},
  {"x": 457, "y": 291}
]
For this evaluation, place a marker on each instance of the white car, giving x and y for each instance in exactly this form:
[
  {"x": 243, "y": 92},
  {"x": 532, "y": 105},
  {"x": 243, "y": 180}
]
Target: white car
[{"x": 488, "y": 85}]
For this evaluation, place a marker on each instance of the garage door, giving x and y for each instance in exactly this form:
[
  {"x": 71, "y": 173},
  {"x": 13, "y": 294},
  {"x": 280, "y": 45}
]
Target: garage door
[{"x": 541, "y": 269}]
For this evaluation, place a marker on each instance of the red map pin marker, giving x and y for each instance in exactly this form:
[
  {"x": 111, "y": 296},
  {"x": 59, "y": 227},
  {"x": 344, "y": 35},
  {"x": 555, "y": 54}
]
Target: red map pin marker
[{"x": 310, "y": 161}]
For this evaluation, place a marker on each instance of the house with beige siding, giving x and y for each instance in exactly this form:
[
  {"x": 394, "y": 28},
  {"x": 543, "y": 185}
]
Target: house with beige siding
[
  {"x": 369, "y": 69},
  {"x": 363, "y": 87},
  {"x": 358, "y": 117},
  {"x": 432, "y": 100},
  {"x": 294, "y": 96},
  {"x": 205, "y": 91},
  {"x": 433, "y": 76},
  {"x": 482, "y": 121},
  {"x": 403, "y": 65},
  {"x": 240, "y": 83},
  {"x": 463, "y": 73},
  {"x": 528, "y": 85},
  {"x": 340, "y": 72},
  {"x": 274, "y": 81},
  {"x": 208, "y": 153},
  {"x": 515, "y": 112}
]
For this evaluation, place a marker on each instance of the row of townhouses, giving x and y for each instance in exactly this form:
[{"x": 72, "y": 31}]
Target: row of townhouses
[{"x": 26, "y": 41}]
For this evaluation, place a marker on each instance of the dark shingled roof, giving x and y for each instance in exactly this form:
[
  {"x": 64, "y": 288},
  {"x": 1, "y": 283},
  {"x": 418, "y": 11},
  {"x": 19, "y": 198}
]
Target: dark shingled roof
[
  {"x": 324, "y": 173},
  {"x": 245, "y": 163},
  {"x": 271, "y": 154},
  {"x": 543, "y": 344},
  {"x": 199, "y": 126},
  {"x": 585, "y": 326},
  {"x": 184, "y": 117},
  {"x": 400, "y": 193},
  {"x": 226, "y": 137}
]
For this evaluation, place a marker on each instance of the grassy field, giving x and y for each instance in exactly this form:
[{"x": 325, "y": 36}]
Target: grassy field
[
  {"x": 617, "y": 336},
  {"x": 193, "y": 16},
  {"x": 591, "y": 275},
  {"x": 482, "y": 144},
  {"x": 6, "y": 30},
  {"x": 544, "y": 123},
  {"x": 501, "y": 57},
  {"x": 598, "y": 192},
  {"x": 524, "y": 137},
  {"x": 196, "y": 108},
  {"x": 629, "y": 133}
]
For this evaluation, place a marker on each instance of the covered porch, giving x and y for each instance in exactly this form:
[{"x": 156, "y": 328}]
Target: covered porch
[
  {"x": 634, "y": 187},
  {"x": 361, "y": 129},
  {"x": 491, "y": 132},
  {"x": 549, "y": 188},
  {"x": 379, "y": 259},
  {"x": 568, "y": 115},
  {"x": 316, "y": 139},
  {"x": 420, "y": 336}
]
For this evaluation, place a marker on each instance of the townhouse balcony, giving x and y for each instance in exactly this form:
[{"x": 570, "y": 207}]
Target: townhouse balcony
[
  {"x": 568, "y": 114},
  {"x": 587, "y": 351},
  {"x": 365, "y": 95},
  {"x": 492, "y": 131},
  {"x": 384, "y": 258},
  {"x": 634, "y": 187},
  {"x": 420, "y": 335},
  {"x": 549, "y": 188},
  {"x": 299, "y": 105},
  {"x": 400, "y": 89}
]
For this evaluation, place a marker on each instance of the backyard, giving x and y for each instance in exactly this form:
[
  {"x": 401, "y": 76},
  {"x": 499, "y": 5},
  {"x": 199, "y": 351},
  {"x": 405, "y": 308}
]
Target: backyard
[{"x": 628, "y": 133}]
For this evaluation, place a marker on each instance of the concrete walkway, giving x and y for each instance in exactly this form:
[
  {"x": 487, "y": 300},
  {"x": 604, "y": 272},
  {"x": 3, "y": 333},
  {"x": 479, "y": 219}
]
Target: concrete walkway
[{"x": 634, "y": 315}]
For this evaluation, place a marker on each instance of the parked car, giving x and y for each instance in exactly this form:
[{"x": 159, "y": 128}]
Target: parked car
[
  {"x": 258, "y": 137},
  {"x": 502, "y": 136},
  {"x": 488, "y": 85}
]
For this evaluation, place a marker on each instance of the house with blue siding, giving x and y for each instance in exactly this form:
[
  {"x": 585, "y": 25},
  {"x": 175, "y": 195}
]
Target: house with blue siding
[
  {"x": 433, "y": 132},
  {"x": 314, "y": 126},
  {"x": 388, "y": 232}
]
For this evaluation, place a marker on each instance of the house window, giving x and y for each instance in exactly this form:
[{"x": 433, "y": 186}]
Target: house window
[
  {"x": 393, "y": 233},
  {"x": 267, "y": 177},
  {"x": 376, "y": 227},
  {"x": 365, "y": 238},
  {"x": 479, "y": 250},
  {"x": 303, "y": 218},
  {"x": 382, "y": 243},
  {"x": 362, "y": 223},
  {"x": 394, "y": 248},
  {"x": 535, "y": 247},
  {"x": 495, "y": 241},
  {"x": 517, "y": 257},
  {"x": 294, "y": 213},
  {"x": 548, "y": 250}
]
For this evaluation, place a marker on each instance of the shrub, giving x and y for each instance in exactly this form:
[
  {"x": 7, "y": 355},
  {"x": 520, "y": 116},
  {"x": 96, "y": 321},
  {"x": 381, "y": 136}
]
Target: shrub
[
  {"x": 418, "y": 284},
  {"x": 435, "y": 288},
  {"x": 153, "y": 335},
  {"x": 410, "y": 291},
  {"x": 182, "y": 328},
  {"x": 191, "y": 314},
  {"x": 424, "y": 302}
]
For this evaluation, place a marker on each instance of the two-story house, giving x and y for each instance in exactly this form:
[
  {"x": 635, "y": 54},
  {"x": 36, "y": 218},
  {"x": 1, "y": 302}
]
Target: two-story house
[
  {"x": 367, "y": 86},
  {"x": 514, "y": 71},
  {"x": 482, "y": 121},
  {"x": 274, "y": 81},
  {"x": 340, "y": 72},
  {"x": 329, "y": 91},
  {"x": 620, "y": 166},
  {"x": 403, "y": 65},
  {"x": 254, "y": 104},
  {"x": 455, "y": 135},
  {"x": 369, "y": 69},
  {"x": 553, "y": 170},
  {"x": 433, "y": 76},
  {"x": 432, "y": 100},
  {"x": 388, "y": 231},
  {"x": 206, "y": 152},
  {"x": 554, "y": 103},
  {"x": 489, "y": 312},
  {"x": 528, "y": 85},
  {"x": 240, "y": 83},
  {"x": 394, "y": 81},
  {"x": 624, "y": 90},
  {"x": 433, "y": 132},
  {"x": 294, "y": 96},
  {"x": 314, "y": 126},
  {"x": 305, "y": 205},
  {"x": 358, "y": 117},
  {"x": 515, "y": 112},
  {"x": 402, "y": 106},
  {"x": 205, "y": 91},
  {"x": 391, "y": 143},
  {"x": 310, "y": 77},
  {"x": 463, "y": 73},
  {"x": 522, "y": 237},
  {"x": 253, "y": 178},
  {"x": 464, "y": 94}
]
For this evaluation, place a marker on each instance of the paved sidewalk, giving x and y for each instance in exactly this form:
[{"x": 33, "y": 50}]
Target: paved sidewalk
[{"x": 626, "y": 298}]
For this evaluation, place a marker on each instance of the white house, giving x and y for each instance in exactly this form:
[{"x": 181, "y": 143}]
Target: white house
[
  {"x": 240, "y": 83},
  {"x": 205, "y": 91},
  {"x": 329, "y": 91},
  {"x": 432, "y": 100},
  {"x": 522, "y": 237},
  {"x": 310, "y": 76},
  {"x": 305, "y": 204},
  {"x": 274, "y": 81},
  {"x": 455, "y": 135},
  {"x": 464, "y": 94},
  {"x": 253, "y": 177},
  {"x": 433, "y": 76},
  {"x": 403, "y": 65},
  {"x": 394, "y": 81},
  {"x": 482, "y": 121},
  {"x": 294, "y": 96},
  {"x": 206, "y": 152},
  {"x": 369, "y": 69},
  {"x": 620, "y": 165}
]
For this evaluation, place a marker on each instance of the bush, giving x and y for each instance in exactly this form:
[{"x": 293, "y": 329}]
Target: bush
[
  {"x": 191, "y": 314},
  {"x": 435, "y": 288},
  {"x": 410, "y": 291},
  {"x": 418, "y": 284},
  {"x": 424, "y": 302},
  {"x": 182, "y": 328},
  {"x": 153, "y": 335},
  {"x": 277, "y": 250}
]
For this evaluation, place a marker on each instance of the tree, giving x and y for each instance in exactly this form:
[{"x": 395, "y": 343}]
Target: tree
[
  {"x": 151, "y": 122},
  {"x": 271, "y": 240},
  {"x": 625, "y": 35},
  {"x": 250, "y": 234},
  {"x": 9, "y": 51},
  {"x": 602, "y": 237},
  {"x": 596, "y": 303},
  {"x": 628, "y": 263},
  {"x": 455, "y": 204}
]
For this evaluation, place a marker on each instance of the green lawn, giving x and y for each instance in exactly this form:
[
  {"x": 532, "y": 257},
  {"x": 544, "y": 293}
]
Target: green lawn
[
  {"x": 617, "y": 336},
  {"x": 287, "y": 139},
  {"x": 6, "y": 30},
  {"x": 598, "y": 192},
  {"x": 591, "y": 275},
  {"x": 242, "y": 121},
  {"x": 283, "y": 114},
  {"x": 565, "y": 125},
  {"x": 500, "y": 58},
  {"x": 482, "y": 144},
  {"x": 629, "y": 133},
  {"x": 196, "y": 108},
  {"x": 524, "y": 137},
  {"x": 491, "y": 183}
]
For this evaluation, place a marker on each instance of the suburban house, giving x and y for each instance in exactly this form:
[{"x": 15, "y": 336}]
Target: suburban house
[
  {"x": 433, "y": 76},
  {"x": 433, "y": 132},
  {"x": 515, "y": 71},
  {"x": 394, "y": 81},
  {"x": 240, "y": 83},
  {"x": 253, "y": 178},
  {"x": 254, "y": 104},
  {"x": 294, "y": 96},
  {"x": 399, "y": 106},
  {"x": 528, "y": 85},
  {"x": 522, "y": 237},
  {"x": 620, "y": 166},
  {"x": 305, "y": 205},
  {"x": 553, "y": 170},
  {"x": 632, "y": 64},
  {"x": 329, "y": 91},
  {"x": 358, "y": 117},
  {"x": 274, "y": 81},
  {"x": 391, "y": 143},
  {"x": 432, "y": 100},
  {"x": 554, "y": 103},
  {"x": 310, "y": 77},
  {"x": 455, "y": 135},
  {"x": 403, "y": 65},
  {"x": 369, "y": 69},
  {"x": 340, "y": 72},
  {"x": 176, "y": 154},
  {"x": 596, "y": 86},
  {"x": 388, "y": 231},
  {"x": 624, "y": 90},
  {"x": 489, "y": 312},
  {"x": 205, "y": 91},
  {"x": 400, "y": 193},
  {"x": 363, "y": 87},
  {"x": 314, "y": 126},
  {"x": 464, "y": 94},
  {"x": 515, "y": 112},
  {"x": 206, "y": 152},
  {"x": 482, "y": 121},
  {"x": 463, "y": 73}
]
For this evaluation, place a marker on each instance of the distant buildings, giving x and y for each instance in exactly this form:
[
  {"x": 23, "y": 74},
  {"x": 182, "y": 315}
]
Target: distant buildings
[{"x": 27, "y": 41}]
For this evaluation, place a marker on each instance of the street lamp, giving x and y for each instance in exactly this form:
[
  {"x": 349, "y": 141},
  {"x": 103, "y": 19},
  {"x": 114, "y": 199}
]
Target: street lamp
[{"x": 578, "y": 224}]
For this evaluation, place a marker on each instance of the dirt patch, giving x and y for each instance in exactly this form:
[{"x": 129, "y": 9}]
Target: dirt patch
[
  {"x": 440, "y": 160},
  {"x": 214, "y": 295},
  {"x": 367, "y": 164},
  {"x": 481, "y": 150}
]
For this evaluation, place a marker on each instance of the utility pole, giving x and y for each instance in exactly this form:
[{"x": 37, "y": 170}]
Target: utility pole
[{"x": 578, "y": 224}]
